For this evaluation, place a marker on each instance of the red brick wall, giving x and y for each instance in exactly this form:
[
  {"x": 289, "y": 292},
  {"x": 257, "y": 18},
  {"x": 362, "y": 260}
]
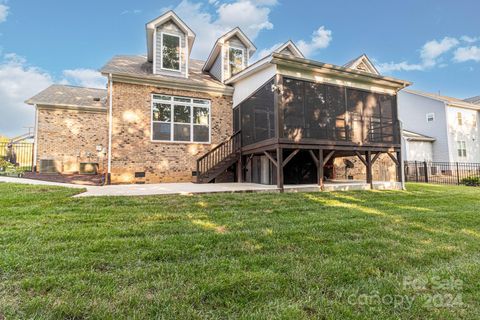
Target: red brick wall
[{"x": 132, "y": 148}]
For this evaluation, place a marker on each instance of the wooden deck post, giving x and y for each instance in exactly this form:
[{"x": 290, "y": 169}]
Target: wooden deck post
[
  {"x": 240, "y": 169},
  {"x": 320, "y": 169},
  {"x": 368, "y": 159},
  {"x": 279, "y": 169}
]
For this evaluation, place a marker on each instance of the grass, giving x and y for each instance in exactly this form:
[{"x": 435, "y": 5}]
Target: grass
[{"x": 252, "y": 256}]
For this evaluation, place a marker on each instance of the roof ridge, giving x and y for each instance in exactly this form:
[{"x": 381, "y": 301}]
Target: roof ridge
[{"x": 76, "y": 86}]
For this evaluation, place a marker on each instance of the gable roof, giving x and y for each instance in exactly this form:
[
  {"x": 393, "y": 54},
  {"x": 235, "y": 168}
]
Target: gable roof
[
  {"x": 446, "y": 99},
  {"x": 220, "y": 41},
  {"x": 413, "y": 136},
  {"x": 474, "y": 100},
  {"x": 307, "y": 64},
  {"x": 290, "y": 46},
  {"x": 362, "y": 63},
  {"x": 168, "y": 16},
  {"x": 138, "y": 68},
  {"x": 71, "y": 96}
]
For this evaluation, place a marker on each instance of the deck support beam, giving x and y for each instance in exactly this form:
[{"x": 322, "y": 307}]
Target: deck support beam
[
  {"x": 279, "y": 169},
  {"x": 368, "y": 160},
  {"x": 240, "y": 169},
  {"x": 320, "y": 169},
  {"x": 290, "y": 156}
]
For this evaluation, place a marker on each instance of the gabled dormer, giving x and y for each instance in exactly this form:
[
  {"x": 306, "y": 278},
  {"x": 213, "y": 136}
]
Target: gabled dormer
[
  {"x": 362, "y": 63},
  {"x": 289, "y": 48},
  {"x": 229, "y": 55},
  {"x": 169, "y": 43}
]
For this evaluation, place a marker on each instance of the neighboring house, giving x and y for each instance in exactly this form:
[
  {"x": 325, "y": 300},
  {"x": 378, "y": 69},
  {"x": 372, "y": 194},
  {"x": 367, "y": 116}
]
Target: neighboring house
[
  {"x": 168, "y": 118},
  {"x": 452, "y": 124}
]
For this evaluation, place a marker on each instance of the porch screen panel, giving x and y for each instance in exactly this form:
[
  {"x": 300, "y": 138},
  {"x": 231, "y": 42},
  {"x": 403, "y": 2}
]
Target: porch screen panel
[
  {"x": 335, "y": 109},
  {"x": 294, "y": 122},
  {"x": 329, "y": 112},
  {"x": 257, "y": 116}
]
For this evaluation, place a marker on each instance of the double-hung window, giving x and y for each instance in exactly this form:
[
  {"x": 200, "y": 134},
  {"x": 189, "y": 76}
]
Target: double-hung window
[
  {"x": 462, "y": 148},
  {"x": 170, "y": 52},
  {"x": 459, "y": 118},
  {"x": 235, "y": 60},
  {"x": 180, "y": 119}
]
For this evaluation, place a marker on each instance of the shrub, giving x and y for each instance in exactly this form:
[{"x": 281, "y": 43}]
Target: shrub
[
  {"x": 9, "y": 169},
  {"x": 471, "y": 181}
]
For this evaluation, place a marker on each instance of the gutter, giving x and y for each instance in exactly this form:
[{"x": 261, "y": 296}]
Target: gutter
[
  {"x": 110, "y": 126},
  {"x": 171, "y": 83}
]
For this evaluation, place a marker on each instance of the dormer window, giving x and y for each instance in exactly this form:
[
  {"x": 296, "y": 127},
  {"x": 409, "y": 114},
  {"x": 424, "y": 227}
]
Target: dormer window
[
  {"x": 235, "y": 60},
  {"x": 170, "y": 52}
]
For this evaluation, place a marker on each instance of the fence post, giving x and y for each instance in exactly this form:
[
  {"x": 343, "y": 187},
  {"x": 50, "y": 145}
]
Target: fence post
[
  {"x": 425, "y": 168},
  {"x": 458, "y": 175},
  {"x": 416, "y": 171}
]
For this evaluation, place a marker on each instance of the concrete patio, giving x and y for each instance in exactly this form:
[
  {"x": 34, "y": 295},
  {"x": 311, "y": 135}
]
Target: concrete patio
[{"x": 192, "y": 188}]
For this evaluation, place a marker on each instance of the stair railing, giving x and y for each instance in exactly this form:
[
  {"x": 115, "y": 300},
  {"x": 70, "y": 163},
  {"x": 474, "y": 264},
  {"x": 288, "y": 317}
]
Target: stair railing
[{"x": 212, "y": 158}]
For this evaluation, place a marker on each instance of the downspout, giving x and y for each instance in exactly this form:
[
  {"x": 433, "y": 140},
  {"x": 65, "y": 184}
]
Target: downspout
[
  {"x": 35, "y": 142},
  {"x": 110, "y": 126},
  {"x": 402, "y": 166}
]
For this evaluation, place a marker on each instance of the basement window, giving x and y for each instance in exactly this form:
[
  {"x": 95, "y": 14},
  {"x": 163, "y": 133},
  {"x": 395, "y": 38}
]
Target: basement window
[{"x": 180, "y": 119}]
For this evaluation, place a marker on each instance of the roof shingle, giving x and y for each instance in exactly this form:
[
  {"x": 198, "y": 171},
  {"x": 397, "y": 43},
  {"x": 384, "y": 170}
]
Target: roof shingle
[
  {"x": 139, "y": 67},
  {"x": 70, "y": 96}
]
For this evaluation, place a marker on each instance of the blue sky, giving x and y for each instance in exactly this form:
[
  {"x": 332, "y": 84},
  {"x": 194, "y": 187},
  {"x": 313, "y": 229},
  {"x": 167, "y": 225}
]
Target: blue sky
[{"x": 434, "y": 44}]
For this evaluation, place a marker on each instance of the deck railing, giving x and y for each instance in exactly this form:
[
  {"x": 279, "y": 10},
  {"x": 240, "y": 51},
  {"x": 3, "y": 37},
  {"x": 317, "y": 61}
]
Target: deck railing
[{"x": 218, "y": 154}]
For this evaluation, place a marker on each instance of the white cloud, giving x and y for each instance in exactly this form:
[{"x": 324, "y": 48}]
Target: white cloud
[
  {"x": 85, "y": 78},
  {"x": 18, "y": 82},
  {"x": 433, "y": 49},
  {"x": 251, "y": 16},
  {"x": 265, "y": 52},
  {"x": 136, "y": 11},
  {"x": 470, "y": 39},
  {"x": 321, "y": 39},
  {"x": 464, "y": 54},
  {"x": 3, "y": 13},
  {"x": 430, "y": 55}
]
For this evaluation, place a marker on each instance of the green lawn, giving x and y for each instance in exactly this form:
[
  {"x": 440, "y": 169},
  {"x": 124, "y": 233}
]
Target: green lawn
[{"x": 368, "y": 255}]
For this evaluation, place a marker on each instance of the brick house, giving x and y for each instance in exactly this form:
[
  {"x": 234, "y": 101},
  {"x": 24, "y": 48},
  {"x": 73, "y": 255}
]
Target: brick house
[{"x": 165, "y": 117}]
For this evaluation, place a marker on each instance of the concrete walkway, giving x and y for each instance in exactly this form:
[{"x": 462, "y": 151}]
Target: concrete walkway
[{"x": 192, "y": 188}]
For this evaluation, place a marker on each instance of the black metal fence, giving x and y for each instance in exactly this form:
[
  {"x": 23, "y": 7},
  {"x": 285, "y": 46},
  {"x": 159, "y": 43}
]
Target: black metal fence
[
  {"x": 440, "y": 172},
  {"x": 18, "y": 154}
]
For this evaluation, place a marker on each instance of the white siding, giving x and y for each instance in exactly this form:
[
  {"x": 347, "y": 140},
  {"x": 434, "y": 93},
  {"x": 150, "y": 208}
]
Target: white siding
[
  {"x": 170, "y": 28},
  {"x": 413, "y": 110},
  {"x": 419, "y": 151},
  {"x": 466, "y": 132},
  {"x": 245, "y": 87},
  {"x": 216, "y": 69}
]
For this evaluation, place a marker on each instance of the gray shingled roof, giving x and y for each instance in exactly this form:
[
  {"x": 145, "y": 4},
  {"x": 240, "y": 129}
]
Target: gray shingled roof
[
  {"x": 139, "y": 67},
  {"x": 414, "y": 136},
  {"x": 474, "y": 100},
  {"x": 70, "y": 96}
]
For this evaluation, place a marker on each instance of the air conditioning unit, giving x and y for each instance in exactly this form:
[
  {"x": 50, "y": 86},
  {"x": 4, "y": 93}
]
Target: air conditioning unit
[
  {"x": 88, "y": 168},
  {"x": 48, "y": 166}
]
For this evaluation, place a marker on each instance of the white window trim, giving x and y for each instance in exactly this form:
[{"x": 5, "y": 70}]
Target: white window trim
[
  {"x": 432, "y": 115},
  {"x": 462, "y": 146},
  {"x": 172, "y": 123},
  {"x": 179, "y": 52},
  {"x": 228, "y": 57}
]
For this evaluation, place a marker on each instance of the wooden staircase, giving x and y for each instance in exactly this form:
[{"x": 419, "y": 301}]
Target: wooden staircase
[{"x": 219, "y": 159}]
